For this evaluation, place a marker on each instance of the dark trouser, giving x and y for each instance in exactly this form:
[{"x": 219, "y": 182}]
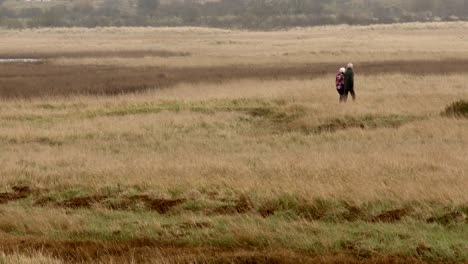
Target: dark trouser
[
  {"x": 341, "y": 92},
  {"x": 351, "y": 91}
]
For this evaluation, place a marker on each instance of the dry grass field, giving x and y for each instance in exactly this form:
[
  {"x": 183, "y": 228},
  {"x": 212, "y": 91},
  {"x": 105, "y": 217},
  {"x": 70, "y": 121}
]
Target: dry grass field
[{"x": 192, "y": 145}]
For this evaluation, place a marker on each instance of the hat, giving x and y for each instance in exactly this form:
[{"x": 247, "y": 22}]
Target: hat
[
  {"x": 342, "y": 69},
  {"x": 350, "y": 65}
]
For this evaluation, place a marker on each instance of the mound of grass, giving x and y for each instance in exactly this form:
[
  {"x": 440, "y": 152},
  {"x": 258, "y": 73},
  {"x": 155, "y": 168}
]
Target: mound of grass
[
  {"x": 365, "y": 121},
  {"x": 457, "y": 109}
]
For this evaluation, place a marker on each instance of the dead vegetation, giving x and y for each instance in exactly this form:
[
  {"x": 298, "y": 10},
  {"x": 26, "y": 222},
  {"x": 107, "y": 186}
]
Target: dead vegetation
[{"x": 46, "y": 80}]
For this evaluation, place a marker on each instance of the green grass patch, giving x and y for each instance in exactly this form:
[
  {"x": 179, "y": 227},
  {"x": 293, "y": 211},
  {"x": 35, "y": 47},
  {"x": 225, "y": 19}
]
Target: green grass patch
[
  {"x": 430, "y": 231},
  {"x": 209, "y": 107},
  {"x": 35, "y": 119},
  {"x": 427, "y": 241}
]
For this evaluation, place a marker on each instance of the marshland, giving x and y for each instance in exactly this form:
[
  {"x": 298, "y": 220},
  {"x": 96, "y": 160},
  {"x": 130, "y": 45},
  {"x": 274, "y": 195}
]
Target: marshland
[{"x": 201, "y": 145}]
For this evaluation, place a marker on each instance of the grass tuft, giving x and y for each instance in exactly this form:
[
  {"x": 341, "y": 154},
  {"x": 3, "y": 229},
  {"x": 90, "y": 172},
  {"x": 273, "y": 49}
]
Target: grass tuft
[{"x": 457, "y": 109}]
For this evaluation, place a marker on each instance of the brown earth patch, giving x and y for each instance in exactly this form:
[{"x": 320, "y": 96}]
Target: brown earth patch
[
  {"x": 195, "y": 225},
  {"x": 44, "y": 201},
  {"x": 338, "y": 125},
  {"x": 159, "y": 205},
  {"x": 422, "y": 249},
  {"x": 242, "y": 205},
  {"x": 391, "y": 216},
  {"x": 75, "y": 202},
  {"x": 224, "y": 210},
  {"x": 317, "y": 210},
  {"x": 364, "y": 122},
  {"x": 44, "y": 79},
  {"x": 149, "y": 251},
  {"x": 449, "y": 218},
  {"x": 19, "y": 192},
  {"x": 82, "y": 202},
  {"x": 124, "y": 203},
  {"x": 354, "y": 213},
  {"x": 265, "y": 211},
  {"x": 120, "y": 204}
]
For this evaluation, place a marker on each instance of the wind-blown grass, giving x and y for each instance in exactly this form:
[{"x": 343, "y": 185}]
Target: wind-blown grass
[{"x": 262, "y": 163}]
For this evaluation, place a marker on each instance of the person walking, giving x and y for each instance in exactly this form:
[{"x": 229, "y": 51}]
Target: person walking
[
  {"x": 340, "y": 83},
  {"x": 349, "y": 83}
]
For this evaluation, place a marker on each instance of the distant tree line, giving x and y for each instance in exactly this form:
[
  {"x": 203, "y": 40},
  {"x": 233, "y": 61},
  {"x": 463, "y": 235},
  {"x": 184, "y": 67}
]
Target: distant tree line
[{"x": 243, "y": 14}]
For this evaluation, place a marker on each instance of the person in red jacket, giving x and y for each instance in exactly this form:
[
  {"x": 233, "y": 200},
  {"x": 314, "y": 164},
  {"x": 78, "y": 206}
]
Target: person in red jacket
[{"x": 340, "y": 84}]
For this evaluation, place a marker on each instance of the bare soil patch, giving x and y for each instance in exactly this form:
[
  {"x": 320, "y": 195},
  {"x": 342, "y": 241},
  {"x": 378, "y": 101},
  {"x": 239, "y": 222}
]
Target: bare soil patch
[
  {"x": 317, "y": 210},
  {"x": 354, "y": 213},
  {"x": 43, "y": 79},
  {"x": 19, "y": 192},
  {"x": 79, "y": 202},
  {"x": 160, "y": 205},
  {"x": 364, "y": 122},
  {"x": 242, "y": 205},
  {"x": 449, "y": 218},
  {"x": 391, "y": 216},
  {"x": 116, "y": 203}
]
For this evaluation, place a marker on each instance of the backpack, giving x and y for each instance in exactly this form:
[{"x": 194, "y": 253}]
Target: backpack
[{"x": 340, "y": 81}]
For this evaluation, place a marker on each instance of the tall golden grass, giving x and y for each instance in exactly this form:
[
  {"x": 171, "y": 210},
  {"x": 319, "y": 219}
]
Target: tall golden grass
[
  {"x": 104, "y": 141},
  {"x": 277, "y": 138},
  {"x": 72, "y": 141}
]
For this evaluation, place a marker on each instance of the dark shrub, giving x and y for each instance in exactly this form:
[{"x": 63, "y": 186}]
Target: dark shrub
[{"x": 457, "y": 109}]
